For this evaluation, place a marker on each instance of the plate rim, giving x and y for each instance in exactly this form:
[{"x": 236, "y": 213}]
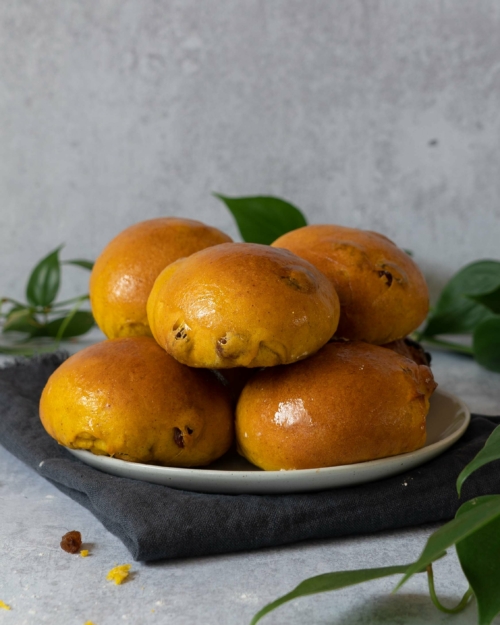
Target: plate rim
[{"x": 270, "y": 476}]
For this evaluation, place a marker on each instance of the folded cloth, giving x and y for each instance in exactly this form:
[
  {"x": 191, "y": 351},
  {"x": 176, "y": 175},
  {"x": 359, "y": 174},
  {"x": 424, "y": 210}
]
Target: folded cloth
[{"x": 157, "y": 522}]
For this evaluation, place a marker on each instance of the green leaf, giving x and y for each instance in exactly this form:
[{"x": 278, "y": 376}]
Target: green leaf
[
  {"x": 80, "y": 323},
  {"x": 79, "y": 262},
  {"x": 327, "y": 582},
  {"x": 456, "y": 312},
  {"x": 456, "y": 347},
  {"x": 486, "y": 344},
  {"x": 458, "y": 529},
  {"x": 479, "y": 556},
  {"x": 489, "y": 453},
  {"x": 491, "y": 300},
  {"x": 262, "y": 219},
  {"x": 43, "y": 283},
  {"x": 21, "y": 320}
]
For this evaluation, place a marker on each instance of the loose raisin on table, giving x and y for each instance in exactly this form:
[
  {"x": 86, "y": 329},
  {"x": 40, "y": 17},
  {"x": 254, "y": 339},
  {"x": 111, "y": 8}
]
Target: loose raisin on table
[{"x": 71, "y": 542}]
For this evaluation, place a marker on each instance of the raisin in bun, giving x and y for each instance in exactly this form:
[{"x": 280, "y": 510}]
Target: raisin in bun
[
  {"x": 383, "y": 295},
  {"x": 242, "y": 304},
  {"x": 349, "y": 403}
]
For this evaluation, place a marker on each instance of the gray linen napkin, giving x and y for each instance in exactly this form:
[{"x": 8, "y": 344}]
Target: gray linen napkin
[{"x": 157, "y": 522}]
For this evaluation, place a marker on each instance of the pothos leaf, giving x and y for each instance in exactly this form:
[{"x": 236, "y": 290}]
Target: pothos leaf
[
  {"x": 479, "y": 556},
  {"x": 81, "y": 321},
  {"x": 21, "y": 320},
  {"x": 327, "y": 582},
  {"x": 80, "y": 262},
  {"x": 262, "y": 219},
  {"x": 491, "y": 300},
  {"x": 456, "y": 312},
  {"x": 489, "y": 453},
  {"x": 458, "y": 529},
  {"x": 43, "y": 283},
  {"x": 486, "y": 343}
]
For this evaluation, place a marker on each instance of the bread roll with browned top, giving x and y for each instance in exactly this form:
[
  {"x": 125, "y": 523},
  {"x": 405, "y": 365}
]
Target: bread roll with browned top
[
  {"x": 125, "y": 271},
  {"x": 383, "y": 294},
  {"x": 350, "y": 402},
  {"x": 129, "y": 399},
  {"x": 242, "y": 305}
]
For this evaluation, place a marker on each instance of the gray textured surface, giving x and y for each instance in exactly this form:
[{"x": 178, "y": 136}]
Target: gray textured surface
[
  {"x": 377, "y": 114},
  {"x": 45, "y": 585}
]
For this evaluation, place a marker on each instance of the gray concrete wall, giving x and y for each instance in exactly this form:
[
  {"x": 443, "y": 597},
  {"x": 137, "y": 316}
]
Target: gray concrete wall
[{"x": 375, "y": 114}]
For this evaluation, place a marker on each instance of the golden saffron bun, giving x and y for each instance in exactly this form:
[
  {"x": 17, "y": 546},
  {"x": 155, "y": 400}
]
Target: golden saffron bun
[
  {"x": 383, "y": 294},
  {"x": 129, "y": 399},
  {"x": 350, "y": 402},
  {"x": 242, "y": 305},
  {"x": 124, "y": 273}
]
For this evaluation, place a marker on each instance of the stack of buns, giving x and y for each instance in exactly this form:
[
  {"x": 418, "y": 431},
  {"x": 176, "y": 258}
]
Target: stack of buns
[{"x": 297, "y": 351}]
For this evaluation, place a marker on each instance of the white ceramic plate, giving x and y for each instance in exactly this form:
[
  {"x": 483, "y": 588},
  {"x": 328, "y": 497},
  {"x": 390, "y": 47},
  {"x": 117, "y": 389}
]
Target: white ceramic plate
[{"x": 447, "y": 420}]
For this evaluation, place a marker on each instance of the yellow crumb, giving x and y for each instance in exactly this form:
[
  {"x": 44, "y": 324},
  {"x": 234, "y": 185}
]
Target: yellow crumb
[
  {"x": 4, "y": 606},
  {"x": 88, "y": 623},
  {"x": 84, "y": 553},
  {"x": 119, "y": 573}
]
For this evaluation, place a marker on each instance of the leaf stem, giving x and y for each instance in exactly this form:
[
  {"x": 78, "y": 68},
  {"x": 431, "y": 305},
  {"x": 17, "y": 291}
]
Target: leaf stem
[
  {"x": 80, "y": 298},
  {"x": 432, "y": 591},
  {"x": 462, "y": 349},
  {"x": 65, "y": 323},
  {"x": 4, "y": 300}
]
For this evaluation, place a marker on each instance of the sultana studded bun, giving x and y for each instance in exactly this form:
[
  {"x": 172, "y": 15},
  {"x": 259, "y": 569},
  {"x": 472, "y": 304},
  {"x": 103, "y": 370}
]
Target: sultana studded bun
[
  {"x": 383, "y": 294},
  {"x": 129, "y": 399},
  {"x": 242, "y": 305},
  {"x": 125, "y": 271},
  {"x": 349, "y": 403}
]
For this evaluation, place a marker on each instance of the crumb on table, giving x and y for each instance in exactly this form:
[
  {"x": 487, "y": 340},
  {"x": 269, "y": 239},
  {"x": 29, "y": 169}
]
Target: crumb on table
[
  {"x": 84, "y": 553},
  {"x": 4, "y": 606},
  {"x": 119, "y": 573}
]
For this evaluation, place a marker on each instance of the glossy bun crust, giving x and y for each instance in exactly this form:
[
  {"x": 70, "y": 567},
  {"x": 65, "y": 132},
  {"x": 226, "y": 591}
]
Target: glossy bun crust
[
  {"x": 129, "y": 399},
  {"x": 350, "y": 402},
  {"x": 383, "y": 295},
  {"x": 124, "y": 273},
  {"x": 410, "y": 349},
  {"x": 242, "y": 304}
]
